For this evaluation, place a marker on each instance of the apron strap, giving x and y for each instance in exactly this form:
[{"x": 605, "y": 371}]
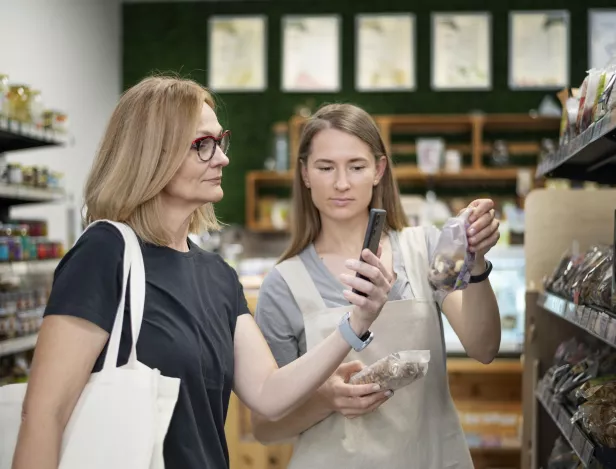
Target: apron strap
[
  {"x": 302, "y": 286},
  {"x": 415, "y": 254}
]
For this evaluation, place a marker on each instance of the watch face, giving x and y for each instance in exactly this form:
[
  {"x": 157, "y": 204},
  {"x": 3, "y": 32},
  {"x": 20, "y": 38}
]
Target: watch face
[{"x": 365, "y": 337}]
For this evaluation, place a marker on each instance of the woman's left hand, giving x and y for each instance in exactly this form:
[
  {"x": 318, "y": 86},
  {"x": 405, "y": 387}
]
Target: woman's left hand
[{"x": 483, "y": 230}]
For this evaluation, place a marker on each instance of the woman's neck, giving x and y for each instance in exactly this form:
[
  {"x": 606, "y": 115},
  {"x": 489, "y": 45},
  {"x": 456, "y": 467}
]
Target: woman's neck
[
  {"x": 343, "y": 238},
  {"x": 176, "y": 221}
]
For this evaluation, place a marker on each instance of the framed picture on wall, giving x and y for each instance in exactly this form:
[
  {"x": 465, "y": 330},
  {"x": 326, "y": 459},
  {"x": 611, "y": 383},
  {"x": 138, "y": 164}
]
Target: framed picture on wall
[
  {"x": 311, "y": 53},
  {"x": 461, "y": 51},
  {"x": 538, "y": 49},
  {"x": 601, "y": 37},
  {"x": 385, "y": 52},
  {"x": 237, "y": 53}
]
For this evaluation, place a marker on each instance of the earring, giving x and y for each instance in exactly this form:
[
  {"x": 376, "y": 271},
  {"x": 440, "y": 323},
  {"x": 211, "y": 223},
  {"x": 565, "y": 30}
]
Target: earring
[{"x": 376, "y": 181}]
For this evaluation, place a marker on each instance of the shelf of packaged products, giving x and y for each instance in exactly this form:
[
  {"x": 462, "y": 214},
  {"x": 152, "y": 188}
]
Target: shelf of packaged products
[
  {"x": 594, "y": 321},
  {"x": 15, "y": 135},
  {"x": 408, "y": 173},
  {"x": 16, "y": 195},
  {"x": 591, "y": 156},
  {"x": 577, "y": 439},
  {"x": 17, "y": 345},
  {"x": 404, "y": 174},
  {"x": 29, "y": 266}
]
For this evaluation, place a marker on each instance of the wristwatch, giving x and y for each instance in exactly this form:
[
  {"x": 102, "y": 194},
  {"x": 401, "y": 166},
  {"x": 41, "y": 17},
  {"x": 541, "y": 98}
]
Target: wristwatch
[
  {"x": 358, "y": 343},
  {"x": 481, "y": 277}
]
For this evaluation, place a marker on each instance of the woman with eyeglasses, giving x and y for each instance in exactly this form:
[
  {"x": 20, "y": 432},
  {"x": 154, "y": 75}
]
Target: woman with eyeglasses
[{"x": 159, "y": 170}]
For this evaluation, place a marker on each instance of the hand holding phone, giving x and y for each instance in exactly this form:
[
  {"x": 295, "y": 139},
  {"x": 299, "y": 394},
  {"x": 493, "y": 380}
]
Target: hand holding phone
[{"x": 372, "y": 238}]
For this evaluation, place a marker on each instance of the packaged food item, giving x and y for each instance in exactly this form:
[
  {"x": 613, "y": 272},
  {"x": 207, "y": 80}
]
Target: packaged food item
[
  {"x": 600, "y": 421},
  {"x": 603, "y": 100},
  {"x": 396, "y": 370},
  {"x": 602, "y": 393},
  {"x": 580, "y": 114},
  {"x": 587, "y": 280},
  {"x": 452, "y": 264},
  {"x": 594, "y": 78},
  {"x": 562, "y": 456}
]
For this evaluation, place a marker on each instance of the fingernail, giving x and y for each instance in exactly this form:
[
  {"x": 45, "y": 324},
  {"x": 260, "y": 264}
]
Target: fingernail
[
  {"x": 376, "y": 388},
  {"x": 389, "y": 393},
  {"x": 471, "y": 231},
  {"x": 351, "y": 264}
]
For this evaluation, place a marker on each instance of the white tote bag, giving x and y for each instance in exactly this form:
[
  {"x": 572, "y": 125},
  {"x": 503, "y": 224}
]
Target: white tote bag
[{"x": 123, "y": 414}]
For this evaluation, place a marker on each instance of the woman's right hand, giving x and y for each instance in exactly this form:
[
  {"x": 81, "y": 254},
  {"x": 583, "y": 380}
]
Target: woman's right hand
[
  {"x": 351, "y": 400},
  {"x": 367, "y": 308}
]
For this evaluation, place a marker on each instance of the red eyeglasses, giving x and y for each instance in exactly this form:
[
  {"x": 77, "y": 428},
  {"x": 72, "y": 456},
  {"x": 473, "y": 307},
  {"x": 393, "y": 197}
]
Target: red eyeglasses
[{"x": 206, "y": 145}]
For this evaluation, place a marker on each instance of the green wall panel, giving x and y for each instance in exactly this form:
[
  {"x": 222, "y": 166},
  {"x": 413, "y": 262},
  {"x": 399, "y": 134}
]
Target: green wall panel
[{"x": 173, "y": 38}]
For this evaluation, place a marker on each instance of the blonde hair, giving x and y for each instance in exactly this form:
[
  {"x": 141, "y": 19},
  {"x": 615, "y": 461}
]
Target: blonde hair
[
  {"x": 305, "y": 217},
  {"x": 146, "y": 140}
]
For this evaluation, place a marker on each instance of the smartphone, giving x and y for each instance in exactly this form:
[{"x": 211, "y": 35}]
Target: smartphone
[{"x": 372, "y": 236}]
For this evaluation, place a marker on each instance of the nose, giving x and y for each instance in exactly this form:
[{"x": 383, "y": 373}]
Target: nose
[
  {"x": 219, "y": 158},
  {"x": 341, "y": 183}
]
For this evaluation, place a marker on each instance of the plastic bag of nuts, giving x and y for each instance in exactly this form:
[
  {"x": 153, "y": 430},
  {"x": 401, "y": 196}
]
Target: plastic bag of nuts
[
  {"x": 452, "y": 264},
  {"x": 396, "y": 370}
]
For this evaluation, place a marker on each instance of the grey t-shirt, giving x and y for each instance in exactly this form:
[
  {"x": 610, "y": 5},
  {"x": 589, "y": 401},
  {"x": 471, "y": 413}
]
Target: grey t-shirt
[{"x": 279, "y": 316}]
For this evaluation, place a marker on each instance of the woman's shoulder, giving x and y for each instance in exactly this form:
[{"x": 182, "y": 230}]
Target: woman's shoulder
[{"x": 429, "y": 234}]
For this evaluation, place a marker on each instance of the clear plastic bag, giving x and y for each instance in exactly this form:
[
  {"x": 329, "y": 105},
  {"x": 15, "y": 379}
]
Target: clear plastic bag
[
  {"x": 600, "y": 421},
  {"x": 396, "y": 370},
  {"x": 452, "y": 264}
]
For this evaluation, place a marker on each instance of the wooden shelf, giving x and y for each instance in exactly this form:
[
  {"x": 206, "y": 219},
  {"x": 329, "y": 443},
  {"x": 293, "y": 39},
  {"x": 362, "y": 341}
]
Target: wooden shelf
[
  {"x": 591, "y": 156},
  {"x": 477, "y": 178},
  {"x": 499, "y": 366},
  {"x": 554, "y": 219}
]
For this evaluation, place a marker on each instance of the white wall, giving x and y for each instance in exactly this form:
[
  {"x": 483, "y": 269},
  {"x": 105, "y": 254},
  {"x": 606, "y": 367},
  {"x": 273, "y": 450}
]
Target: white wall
[{"x": 71, "y": 51}]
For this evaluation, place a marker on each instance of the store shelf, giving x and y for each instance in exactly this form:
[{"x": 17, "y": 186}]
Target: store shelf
[
  {"x": 16, "y": 195},
  {"x": 17, "y": 136},
  {"x": 591, "y": 156},
  {"x": 28, "y": 267},
  {"x": 17, "y": 345},
  {"x": 577, "y": 439},
  {"x": 594, "y": 321}
]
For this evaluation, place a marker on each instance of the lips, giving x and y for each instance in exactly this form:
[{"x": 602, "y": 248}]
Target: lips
[{"x": 341, "y": 202}]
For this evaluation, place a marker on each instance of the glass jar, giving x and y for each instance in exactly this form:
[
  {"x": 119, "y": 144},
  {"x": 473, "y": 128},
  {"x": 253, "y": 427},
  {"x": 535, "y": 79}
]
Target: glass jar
[
  {"x": 35, "y": 102},
  {"x": 4, "y": 91},
  {"x": 19, "y": 107}
]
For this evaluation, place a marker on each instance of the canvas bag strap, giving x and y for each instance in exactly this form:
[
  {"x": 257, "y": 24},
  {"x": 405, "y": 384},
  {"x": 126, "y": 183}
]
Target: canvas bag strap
[{"x": 133, "y": 264}]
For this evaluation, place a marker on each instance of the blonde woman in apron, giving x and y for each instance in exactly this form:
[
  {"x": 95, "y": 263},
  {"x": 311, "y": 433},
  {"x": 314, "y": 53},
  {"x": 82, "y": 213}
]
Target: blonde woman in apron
[{"x": 342, "y": 172}]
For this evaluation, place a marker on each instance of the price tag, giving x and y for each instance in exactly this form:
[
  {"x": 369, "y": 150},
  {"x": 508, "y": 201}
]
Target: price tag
[
  {"x": 554, "y": 304},
  {"x": 611, "y": 331},
  {"x": 14, "y": 126},
  {"x": 592, "y": 319},
  {"x": 601, "y": 324}
]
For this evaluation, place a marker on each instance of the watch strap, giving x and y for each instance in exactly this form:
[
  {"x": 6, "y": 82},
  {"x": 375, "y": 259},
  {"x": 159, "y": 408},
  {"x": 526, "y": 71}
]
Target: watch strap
[
  {"x": 481, "y": 277},
  {"x": 347, "y": 332}
]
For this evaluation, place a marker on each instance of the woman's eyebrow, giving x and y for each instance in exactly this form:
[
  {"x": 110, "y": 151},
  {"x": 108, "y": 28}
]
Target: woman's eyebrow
[{"x": 204, "y": 132}]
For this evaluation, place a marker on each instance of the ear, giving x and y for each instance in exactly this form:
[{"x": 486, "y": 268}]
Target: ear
[
  {"x": 304, "y": 173},
  {"x": 381, "y": 165}
]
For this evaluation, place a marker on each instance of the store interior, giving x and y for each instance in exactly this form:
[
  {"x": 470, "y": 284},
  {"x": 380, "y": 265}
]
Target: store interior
[{"x": 512, "y": 101}]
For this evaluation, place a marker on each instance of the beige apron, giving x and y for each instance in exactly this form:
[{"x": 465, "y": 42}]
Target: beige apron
[{"x": 418, "y": 428}]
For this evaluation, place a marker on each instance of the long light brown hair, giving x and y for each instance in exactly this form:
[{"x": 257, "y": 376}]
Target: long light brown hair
[
  {"x": 305, "y": 217},
  {"x": 145, "y": 143}
]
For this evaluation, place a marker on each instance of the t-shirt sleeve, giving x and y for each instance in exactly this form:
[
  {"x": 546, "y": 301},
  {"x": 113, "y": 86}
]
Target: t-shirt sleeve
[
  {"x": 88, "y": 281},
  {"x": 274, "y": 306}
]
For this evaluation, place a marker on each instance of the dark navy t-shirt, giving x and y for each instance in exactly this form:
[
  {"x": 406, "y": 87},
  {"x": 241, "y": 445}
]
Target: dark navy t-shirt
[{"x": 192, "y": 303}]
